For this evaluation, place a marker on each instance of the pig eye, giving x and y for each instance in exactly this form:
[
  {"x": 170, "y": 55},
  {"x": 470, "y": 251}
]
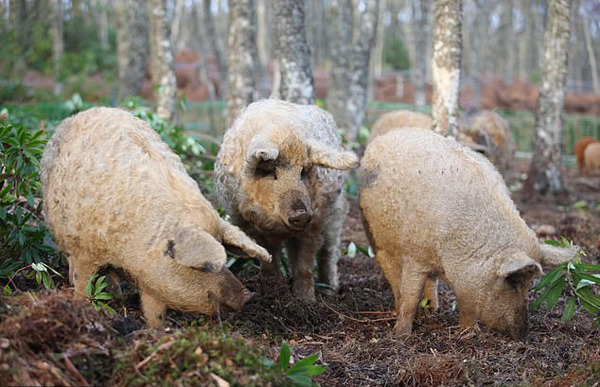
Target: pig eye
[{"x": 266, "y": 170}]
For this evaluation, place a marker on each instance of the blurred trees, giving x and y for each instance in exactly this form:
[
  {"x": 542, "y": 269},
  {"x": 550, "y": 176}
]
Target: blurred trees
[{"x": 544, "y": 173}]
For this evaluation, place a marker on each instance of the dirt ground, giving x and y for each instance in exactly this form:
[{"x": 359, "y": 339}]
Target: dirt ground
[{"x": 354, "y": 328}]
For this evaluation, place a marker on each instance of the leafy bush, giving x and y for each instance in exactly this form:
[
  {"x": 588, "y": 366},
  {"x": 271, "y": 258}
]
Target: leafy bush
[
  {"x": 94, "y": 291},
  {"x": 574, "y": 280},
  {"x": 24, "y": 240},
  {"x": 300, "y": 373}
]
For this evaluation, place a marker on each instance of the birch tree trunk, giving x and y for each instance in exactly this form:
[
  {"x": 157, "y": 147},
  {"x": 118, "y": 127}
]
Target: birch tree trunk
[
  {"x": 176, "y": 25},
  {"x": 544, "y": 174},
  {"x": 163, "y": 75},
  {"x": 589, "y": 45},
  {"x": 292, "y": 52},
  {"x": 241, "y": 52},
  {"x": 103, "y": 24},
  {"x": 340, "y": 35},
  {"x": 359, "y": 75},
  {"x": 447, "y": 45},
  {"x": 58, "y": 42},
  {"x": 217, "y": 49},
  {"x": 132, "y": 45}
]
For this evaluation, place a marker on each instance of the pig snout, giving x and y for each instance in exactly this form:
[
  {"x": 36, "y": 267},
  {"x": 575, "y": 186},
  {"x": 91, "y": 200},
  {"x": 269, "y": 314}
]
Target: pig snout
[{"x": 300, "y": 216}]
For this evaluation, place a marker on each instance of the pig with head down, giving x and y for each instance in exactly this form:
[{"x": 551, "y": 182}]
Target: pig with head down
[
  {"x": 279, "y": 175},
  {"x": 116, "y": 195},
  {"x": 434, "y": 208}
]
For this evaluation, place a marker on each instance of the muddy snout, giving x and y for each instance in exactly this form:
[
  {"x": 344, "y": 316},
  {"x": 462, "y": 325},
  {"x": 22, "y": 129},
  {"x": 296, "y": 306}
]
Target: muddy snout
[{"x": 299, "y": 213}]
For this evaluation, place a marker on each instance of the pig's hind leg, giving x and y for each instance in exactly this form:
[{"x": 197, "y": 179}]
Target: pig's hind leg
[
  {"x": 153, "y": 309},
  {"x": 392, "y": 268},
  {"x": 80, "y": 272},
  {"x": 411, "y": 289},
  {"x": 329, "y": 254}
]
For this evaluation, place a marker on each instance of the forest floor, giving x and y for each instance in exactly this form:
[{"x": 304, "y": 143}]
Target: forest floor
[{"x": 353, "y": 329}]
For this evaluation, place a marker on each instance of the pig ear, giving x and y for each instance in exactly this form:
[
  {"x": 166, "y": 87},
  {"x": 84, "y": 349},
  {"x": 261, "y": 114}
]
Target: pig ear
[
  {"x": 235, "y": 237},
  {"x": 329, "y": 157},
  {"x": 261, "y": 149},
  {"x": 197, "y": 249},
  {"x": 555, "y": 256},
  {"x": 518, "y": 267}
]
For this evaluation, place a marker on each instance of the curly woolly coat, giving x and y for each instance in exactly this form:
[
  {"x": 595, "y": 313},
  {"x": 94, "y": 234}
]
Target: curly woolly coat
[
  {"x": 433, "y": 208},
  {"x": 279, "y": 175},
  {"x": 115, "y": 194}
]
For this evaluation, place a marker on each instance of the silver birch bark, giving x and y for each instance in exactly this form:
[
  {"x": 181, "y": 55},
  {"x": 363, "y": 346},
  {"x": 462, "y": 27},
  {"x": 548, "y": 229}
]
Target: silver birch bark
[
  {"x": 241, "y": 52},
  {"x": 359, "y": 75},
  {"x": 589, "y": 45},
  {"x": 132, "y": 45},
  {"x": 340, "y": 34},
  {"x": 58, "y": 42},
  {"x": 447, "y": 45},
  {"x": 163, "y": 75},
  {"x": 544, "y": 173},
  {"x": 292, "y": 52},
  {"x": 210, "y": 33}
]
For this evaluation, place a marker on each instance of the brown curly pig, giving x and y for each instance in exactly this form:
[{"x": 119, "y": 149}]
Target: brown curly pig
[
  {"x": 591, "y": 158},
  {"x": 434, "y": 208},
  {"x": 115, "y": 194},
  {"x": 578, "y": 151},
  {"x": 279, "y": 177}
]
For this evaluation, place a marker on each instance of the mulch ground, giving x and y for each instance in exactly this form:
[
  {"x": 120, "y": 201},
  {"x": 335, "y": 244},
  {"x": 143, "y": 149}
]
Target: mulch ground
[{"x": 353, "y": 329}]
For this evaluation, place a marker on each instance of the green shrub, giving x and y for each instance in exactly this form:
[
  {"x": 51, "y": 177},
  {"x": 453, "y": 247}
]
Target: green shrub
[
  {"x": 574, "y": 280},
  {"x": 395, "y": 53},
  {"x": 24, "y": 240}
]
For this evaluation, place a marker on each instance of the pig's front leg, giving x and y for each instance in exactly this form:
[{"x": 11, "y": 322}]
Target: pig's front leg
[
  {"x": 153, "y": 309},
  {"x": 301, "y": 254}
]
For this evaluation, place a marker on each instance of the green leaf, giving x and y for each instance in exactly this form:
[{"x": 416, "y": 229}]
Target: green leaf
[
  {"x": 551, "y": 277},
  {"x": 311, "y": 370},
  {"x": 555, "y": 293},
  {"x": 284, "y": 355},
  {"x": 7, "y": 291},
  {"x": 587, "y": 267},
  {"x": 581, "y": 204},
  {"x": 595, "y": 278},
  {"x": 309, "y": 360},
  {"x": 89, "y": 286},
  {"x": 569, "y": 309},
  {"x": 300, "y": 380},
  {"x": 552, "y": 243},
  {"x": 103, "y": 296},
  {"x": 38, "y": 277},
  {"x": 540, "y": 300},
  {"x": 106, "y": 307},
  {"x": 48, "y": 283},
  {"x": 99, "y": 285}
]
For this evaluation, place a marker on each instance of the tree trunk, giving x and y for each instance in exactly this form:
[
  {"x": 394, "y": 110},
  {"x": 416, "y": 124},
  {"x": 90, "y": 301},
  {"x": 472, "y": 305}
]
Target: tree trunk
[
  {"x": 132, "y": 45},
  {"x": 215, "y": 42},
  {"x": 163, "y": 75},
  {"x": 359, "y": 75},
  {"x": 340, "y": 33},
  {"x": 377, "y": 62},
  {"x": 103, "y": 24},
  {"x": 422, "y": 52},
  {"x": 58, "y": 40},
  {"x": 544, "y": 174},
  {"x": 176, "y": 25},
  {"x": 292, "y": 52},
  {"x": 241, "y": 53},
  {"x": 447, "y": 45},
  {"x": 590, "y": 53}
]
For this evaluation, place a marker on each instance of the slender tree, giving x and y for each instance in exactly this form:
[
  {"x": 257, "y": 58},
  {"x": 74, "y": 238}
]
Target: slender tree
[
  {"x": 292, "y": 52},
  {"x": 544, "y": 173},
  {"x": 210, "y": 34},
  {"x": 241, "y": 42},
  {"x": 447, "y": 45},
  {"x": 163, "y": 74},
  {"x": 132, "y": 45},
  {"x": 58, "y": 39}
]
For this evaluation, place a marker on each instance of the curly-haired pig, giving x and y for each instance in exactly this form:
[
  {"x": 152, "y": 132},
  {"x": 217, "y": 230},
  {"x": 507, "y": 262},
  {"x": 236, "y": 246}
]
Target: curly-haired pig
[
  {"x": 115, "y": 194},
  {"x": 279, "y": 176},
  {"x": 434, "y": 208}
]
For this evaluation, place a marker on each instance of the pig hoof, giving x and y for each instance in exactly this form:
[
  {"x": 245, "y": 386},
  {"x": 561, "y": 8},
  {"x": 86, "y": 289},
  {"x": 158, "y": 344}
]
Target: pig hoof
[{"x": 402, "y": 330}]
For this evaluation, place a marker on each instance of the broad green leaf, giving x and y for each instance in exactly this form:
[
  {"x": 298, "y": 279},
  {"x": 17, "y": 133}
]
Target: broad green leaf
[
  {"x": 555, "y": 293},
  {"x": 7, "y": 291},
  {"x": 284, "y": 355},
  {"x": 88, "y": 286},
  {"x": 551, "y": 277},
  {"x": 587, "y": 267},
  {"x": 310, "y": 370},
  {"x": 107, "y": 307},
  {"x": 309, "y": 360},
  {"x": 595, "y": 278},
  {"x": 569, "y": 309},
  {"x": 552, "y": 243},
  {"x": 103, "y": 296},
  {"x": 540, "y": 300},
  {"x": 300, "y": 380}
]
